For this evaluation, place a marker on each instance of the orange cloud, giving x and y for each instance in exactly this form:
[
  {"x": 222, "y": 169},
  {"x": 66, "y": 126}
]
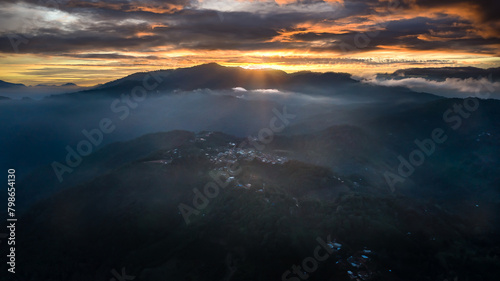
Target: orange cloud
[{"x": 470, "y": 11}]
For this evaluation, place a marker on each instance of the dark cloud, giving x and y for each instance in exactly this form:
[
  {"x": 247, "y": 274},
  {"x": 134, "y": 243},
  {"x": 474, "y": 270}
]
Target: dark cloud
[
  {"x": 132, "y": 25},
  {"x": 487, "y": 10},
  {"x": 108, "y": 56},
  {"x": 122, "y": 5}
]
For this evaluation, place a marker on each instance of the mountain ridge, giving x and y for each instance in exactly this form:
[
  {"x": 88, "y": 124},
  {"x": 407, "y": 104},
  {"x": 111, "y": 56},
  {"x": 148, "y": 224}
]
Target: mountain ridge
[
  {"x": 216, "y": 77},
  {"x": 5, "y": 84}
]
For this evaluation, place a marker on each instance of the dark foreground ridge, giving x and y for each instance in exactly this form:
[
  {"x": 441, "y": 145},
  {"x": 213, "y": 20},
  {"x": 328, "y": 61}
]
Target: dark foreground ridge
[{"x": 261, "y": 224}]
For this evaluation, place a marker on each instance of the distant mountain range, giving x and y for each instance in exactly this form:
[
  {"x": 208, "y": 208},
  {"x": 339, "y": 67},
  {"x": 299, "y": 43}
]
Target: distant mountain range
[
  {"x": 216, "y": 77},
  {"x": 441, "y": 73},
  {"x": 4, "y": 85},
  {"x": 15, "y": 91}
]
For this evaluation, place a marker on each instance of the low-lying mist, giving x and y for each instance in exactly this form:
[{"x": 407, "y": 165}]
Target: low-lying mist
[{"x": 37, "y": 132}]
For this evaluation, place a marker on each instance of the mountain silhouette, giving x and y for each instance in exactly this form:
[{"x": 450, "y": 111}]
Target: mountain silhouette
[
  {"x": 7, "y": 85},
  {"x": 216, "y": 77}
]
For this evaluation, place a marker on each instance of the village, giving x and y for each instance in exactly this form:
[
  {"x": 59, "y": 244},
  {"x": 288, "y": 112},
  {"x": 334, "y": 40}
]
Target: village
[{"x": 224, "y": 155}]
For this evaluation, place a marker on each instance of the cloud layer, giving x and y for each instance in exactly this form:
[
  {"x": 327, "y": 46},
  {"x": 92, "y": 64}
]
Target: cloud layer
[{"x": 450, "y": 87}]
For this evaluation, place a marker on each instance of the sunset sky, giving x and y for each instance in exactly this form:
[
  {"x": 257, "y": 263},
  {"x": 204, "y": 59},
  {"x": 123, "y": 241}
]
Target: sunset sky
[{"x": 89, "y": 42}]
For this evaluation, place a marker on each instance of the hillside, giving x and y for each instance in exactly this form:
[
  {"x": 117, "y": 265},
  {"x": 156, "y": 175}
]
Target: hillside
[{"x": 266, "y": 216}]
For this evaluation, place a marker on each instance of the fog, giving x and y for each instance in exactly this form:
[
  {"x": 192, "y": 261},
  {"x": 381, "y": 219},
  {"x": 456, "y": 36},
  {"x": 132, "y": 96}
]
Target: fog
[
  {"x": 36, "y": 133},
  {"x": 40, "y": 91},
  {"x": 450, "y": 87}
]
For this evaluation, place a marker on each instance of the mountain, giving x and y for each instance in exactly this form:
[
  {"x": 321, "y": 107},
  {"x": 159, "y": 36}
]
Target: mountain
[
  {"x": 267, "y": 218},
  {"x": 69, "y": 85},
  {"x": 216, "y": 77},
  {"x": 442, "y": 73},
  {"x": 53, "y": 86},
  {"x": 7, "y": 85},
  {"x": 363, "y": 146},
  {"x": 224, "y": 184},
  {"x": 37, "y": 92},
  {"x": 43, "y": 182}
]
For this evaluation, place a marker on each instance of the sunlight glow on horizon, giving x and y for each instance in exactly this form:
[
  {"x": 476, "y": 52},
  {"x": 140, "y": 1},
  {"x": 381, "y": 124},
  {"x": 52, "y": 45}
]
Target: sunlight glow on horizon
[
  {"x": 35, "y": 69},
  {"x": 89, "y": 42}
]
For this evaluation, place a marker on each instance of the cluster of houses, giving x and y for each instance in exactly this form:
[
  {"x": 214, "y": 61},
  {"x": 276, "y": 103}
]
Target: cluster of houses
[
  {"x": 482, "y": 135},
  {"x": 357, "y": 266},
  {"x": 234, "y": 154}
]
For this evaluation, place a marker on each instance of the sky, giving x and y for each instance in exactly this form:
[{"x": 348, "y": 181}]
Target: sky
[{"x": 88, "y": 42}]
